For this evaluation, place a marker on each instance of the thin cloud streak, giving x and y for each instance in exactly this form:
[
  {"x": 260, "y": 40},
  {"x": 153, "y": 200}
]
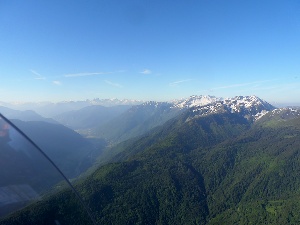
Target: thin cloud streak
[
  {"x": 288, "y": 87},
  {"x": 263, "y": 88},
  {"x": 56, "y": 82},
  {"x": 146, "y": 71},
  {"x": 176, "y": 83},
  {"x": 92, "y": 74},
  {"x": 113, "y": 84},
  {"x": 241, "y": 84},
  {"x": 39, "y": 76},
  {"x": 84, "y": 74}
]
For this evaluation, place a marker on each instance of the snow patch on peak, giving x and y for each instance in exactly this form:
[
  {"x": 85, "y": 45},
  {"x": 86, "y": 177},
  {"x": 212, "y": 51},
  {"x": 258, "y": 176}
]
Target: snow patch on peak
[
  {"x": 153, "y": 103},
  {"x": 251, "y": 107},
  {"x": 245, "y": 101},
  {"x": 259, "y": 115},
  {"x": 195, "y": 101},
  {"x": 114, "y": 102},
  {"x": 291, "y": 112}
]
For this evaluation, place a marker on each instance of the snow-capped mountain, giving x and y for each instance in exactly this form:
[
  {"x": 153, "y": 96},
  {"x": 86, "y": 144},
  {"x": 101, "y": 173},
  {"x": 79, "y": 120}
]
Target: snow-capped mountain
[
  {"x": 114, "y": 102},
  {"x": 195, "y": 101},
  {"x": 50, "y": 109},
  {"x": 284, "y": 113},
  {"x": 251, "y": 107},
  {"x": 155, "y": 104}
]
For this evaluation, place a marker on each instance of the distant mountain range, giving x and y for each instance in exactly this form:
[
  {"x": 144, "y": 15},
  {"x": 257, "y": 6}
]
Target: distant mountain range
[
  {"x": 119, "y": 120},
  {"x": 50, "y": 109},
  {"x": 27, "y": 115},
  {"x": 227, "y": 161},
  {"x": 90, "y": 116},
  {"x": 140, "y": 119}
]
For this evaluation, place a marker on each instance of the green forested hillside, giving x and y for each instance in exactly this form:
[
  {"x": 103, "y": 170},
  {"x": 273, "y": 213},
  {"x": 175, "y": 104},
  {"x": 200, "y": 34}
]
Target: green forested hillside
[
  {"x": 136, "y": 121},
  {"x": 255, "y": 177},
  {"x": 210, "y": 170},
  {"x": 181, "y": 133}
]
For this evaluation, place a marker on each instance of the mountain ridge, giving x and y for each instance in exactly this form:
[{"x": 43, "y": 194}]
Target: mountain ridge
[
  {"x": 141, "y": 118},
  {"x": 196, "y": 172}
]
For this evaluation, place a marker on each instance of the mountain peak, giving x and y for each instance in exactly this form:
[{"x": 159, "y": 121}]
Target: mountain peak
[
  {"x": 195, "y": 101},
  {"x": 251, "y": 107}
]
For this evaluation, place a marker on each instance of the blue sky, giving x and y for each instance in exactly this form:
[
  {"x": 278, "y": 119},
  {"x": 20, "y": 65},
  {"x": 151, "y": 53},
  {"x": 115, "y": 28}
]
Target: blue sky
[{"x": 149, "y": 49}]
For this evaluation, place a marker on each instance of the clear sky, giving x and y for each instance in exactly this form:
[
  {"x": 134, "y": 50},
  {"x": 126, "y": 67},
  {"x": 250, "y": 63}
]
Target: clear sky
[{"x": 149, "y": 49}]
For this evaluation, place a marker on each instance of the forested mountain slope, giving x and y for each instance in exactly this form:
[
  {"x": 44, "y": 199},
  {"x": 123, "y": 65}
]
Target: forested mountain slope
[
  {"x": 210, "y": 169},
  {"x": 136, "y": 121}
]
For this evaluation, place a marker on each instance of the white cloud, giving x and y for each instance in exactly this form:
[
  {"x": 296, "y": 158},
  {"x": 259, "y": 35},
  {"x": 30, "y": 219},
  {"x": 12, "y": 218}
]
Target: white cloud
[
  {"x": 38, "y": 76},
  {"x": 146, "y": 71},
  {"x": 113, "y": 84},
  {"x": 56, "y": 82},
  {"x": 176, "y": 83}
]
